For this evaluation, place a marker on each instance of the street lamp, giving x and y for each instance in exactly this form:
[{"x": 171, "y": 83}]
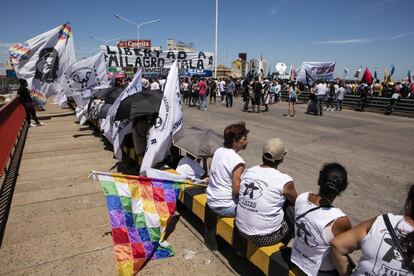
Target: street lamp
[
  {"x": 106, "y": 41},
  {"x": 215, "y": 48},
  {"x": 136, "y": 24}
]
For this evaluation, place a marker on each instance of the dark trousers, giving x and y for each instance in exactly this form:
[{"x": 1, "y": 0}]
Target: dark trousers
[
  {"x": 229, "y": 100},
  {"x": 319, "y": 99},
  {"x": 31, "y": 114}
]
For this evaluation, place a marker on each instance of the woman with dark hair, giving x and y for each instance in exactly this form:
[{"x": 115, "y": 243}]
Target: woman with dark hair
[
  {"x": 27, "y": 102},
  {"x": 226, "y": 170},
  {"x": 317, "y": 222},
  {"x": 386, "y": 250}
]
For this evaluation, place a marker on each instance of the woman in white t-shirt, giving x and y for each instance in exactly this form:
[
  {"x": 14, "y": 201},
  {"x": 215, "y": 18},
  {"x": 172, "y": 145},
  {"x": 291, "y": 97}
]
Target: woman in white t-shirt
[
  {"x": 225, "y": 172},
  {"x": 380, "y": 254},
  {"x": 317, "y": 222},
  {"x": 263, "y": 192}
]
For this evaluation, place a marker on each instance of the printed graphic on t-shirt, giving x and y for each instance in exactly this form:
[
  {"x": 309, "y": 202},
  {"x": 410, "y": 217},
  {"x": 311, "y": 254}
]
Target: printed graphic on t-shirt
[
  {"x": 389, "y": 259},
  {"x": 304, "y": 232},
  {"x": 250, "y": 190}
]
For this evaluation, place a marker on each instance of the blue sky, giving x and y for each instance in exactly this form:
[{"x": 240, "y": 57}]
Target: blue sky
[{"x": 372, "y": 33}]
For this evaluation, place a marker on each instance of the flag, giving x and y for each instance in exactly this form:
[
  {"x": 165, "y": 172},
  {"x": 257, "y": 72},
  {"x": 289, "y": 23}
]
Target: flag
[
  {"x": 357, "y": 72},
  {"x": 409, "y": 77},
  {"x": 391, "y": 72},
  {"x": 309, "y": 79},
  {"x": 81, "y": 77},
  {"x": 169, "y": 121},
  {"x": 367, "y": 77},
  {"x": 42, "y": 60},
  {"x": 292, "y": 73},
  {"x": 375, "y": 74},
  {"x": 386, "y": 74},
  {"x": 346, "y": 73},
  {"x": 115, "y": 131},
  {"x": 140, "y": 209}
]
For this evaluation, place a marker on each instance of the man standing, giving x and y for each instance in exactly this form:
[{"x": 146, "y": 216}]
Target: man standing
[
  {"x": 229, "y": 92},
  {"x": 257, "y": 90},
  {"x": 340, "y": 93},
  {"x": 222, "y": 85},
  {"x": 320, "y": 96}
]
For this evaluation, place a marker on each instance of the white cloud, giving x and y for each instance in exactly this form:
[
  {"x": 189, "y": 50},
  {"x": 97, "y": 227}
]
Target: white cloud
[
  {"x": 275, "y": 7},
  {"x": 362, "y": 40}
]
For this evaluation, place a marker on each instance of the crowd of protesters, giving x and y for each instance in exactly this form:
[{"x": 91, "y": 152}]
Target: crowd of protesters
[{"x": 268, "y": 210}]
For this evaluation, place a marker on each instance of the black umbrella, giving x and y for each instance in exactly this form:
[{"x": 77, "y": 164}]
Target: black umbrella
[
  {"x": 139, "y": 104},
  {"x": 200, "y": 142},
  {"x": 108, "y": 94}
]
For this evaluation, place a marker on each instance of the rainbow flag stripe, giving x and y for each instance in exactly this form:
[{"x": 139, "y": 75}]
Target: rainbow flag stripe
[
  {"x": 65, "y": 32},
  {"x": 139, "y": 211},
  {"x": 19, "y": 51},
  {"x": 39, "y": 98}
]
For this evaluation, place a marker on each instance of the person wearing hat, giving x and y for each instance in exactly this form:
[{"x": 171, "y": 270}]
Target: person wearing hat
[{"x": 261, "y": 217}]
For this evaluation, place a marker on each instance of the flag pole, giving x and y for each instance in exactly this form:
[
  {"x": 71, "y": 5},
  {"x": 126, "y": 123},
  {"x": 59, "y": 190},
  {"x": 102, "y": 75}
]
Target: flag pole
[{"x": 197, "y": 182}]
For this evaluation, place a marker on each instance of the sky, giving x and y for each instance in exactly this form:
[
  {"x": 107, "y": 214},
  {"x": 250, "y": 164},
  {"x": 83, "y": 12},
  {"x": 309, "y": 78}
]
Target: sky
[{"x": 371, "y": 33}]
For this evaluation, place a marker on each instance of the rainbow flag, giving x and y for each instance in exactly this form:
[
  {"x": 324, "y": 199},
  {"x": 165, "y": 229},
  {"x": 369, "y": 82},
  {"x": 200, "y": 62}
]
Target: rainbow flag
[
  {"x": 65, "y": 32},
  {"x": 19, "y": 52},
  {"x": 39, "y": 98},
  {"x": 139, "y": 210}
]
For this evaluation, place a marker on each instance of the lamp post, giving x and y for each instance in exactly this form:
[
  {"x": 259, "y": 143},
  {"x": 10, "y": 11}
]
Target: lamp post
[
  {"x": 106, "y": 41},
  {"x": 136, "y": 24},
  {"x": 215, "y": 48}
]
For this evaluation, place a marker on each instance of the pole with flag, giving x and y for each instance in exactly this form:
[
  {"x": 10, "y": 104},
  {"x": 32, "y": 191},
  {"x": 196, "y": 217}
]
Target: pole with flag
[
  {"x": 357, "y": 72},
  {"x": 346, "y": 73},
  {"x": 169, "y": 121},
  {"x": 115, "y": 131},
  {"x": 391, "y": 72},
  {"x": 386, "y": 75}
]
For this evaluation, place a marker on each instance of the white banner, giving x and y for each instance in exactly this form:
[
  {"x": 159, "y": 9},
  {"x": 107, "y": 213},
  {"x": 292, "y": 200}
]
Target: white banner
[
  {"x": 147, "y": 58},
  {"x": 115, "y": 131},
  {"x": 169, "y": 121},
  {"x": 316, "y": 71},
  {"x": 83, "y": 76},
  {"x": 42, "y": 60}
]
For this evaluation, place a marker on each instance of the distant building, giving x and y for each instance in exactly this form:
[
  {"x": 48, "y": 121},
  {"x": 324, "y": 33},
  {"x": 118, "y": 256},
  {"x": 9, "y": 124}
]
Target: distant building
[
  {"x": 174, "y": 45},
  {"x": 223, "y": 71}
]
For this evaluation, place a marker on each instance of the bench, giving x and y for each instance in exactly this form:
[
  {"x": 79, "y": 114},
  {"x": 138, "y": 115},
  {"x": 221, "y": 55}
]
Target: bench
[{"x": 272, "y": 260}]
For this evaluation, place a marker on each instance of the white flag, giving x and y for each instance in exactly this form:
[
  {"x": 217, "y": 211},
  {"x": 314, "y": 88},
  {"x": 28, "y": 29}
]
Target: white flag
[
  {"x": 42, "y": 60},
  {"x": 115, "y": 131},
  {"x": 81, "y": 77},
  {"x": 169, "y": 121}
]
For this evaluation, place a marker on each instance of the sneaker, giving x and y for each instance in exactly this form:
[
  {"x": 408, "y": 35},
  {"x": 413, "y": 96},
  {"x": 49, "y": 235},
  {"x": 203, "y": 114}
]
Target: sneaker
[
  {"x": 40, "y": 124},
  {"x": 32, "y": 125}
]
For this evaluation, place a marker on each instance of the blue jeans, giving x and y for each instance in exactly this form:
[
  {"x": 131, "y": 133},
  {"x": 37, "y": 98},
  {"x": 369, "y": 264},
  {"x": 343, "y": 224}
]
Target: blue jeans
[
  {"x": 203, "y": 101},
  {"x": 229, "y": 100},
  {"x": 229, "y": 212},
  {"x": 319, "y": 99}
]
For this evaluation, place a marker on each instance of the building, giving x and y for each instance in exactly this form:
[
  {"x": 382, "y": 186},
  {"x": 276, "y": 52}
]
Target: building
[
  {"x": 223, "y": 71},
  {"x": 174, "y": 45}
]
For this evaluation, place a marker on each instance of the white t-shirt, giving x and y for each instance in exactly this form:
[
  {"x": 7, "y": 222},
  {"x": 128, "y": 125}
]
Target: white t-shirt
[
  {"x": 259, "y": 210},
  {"x": 190, "y": 168},
  {"x": 219, "y": 189},
  {"x": 321, "y": 89},
  {"x": 379, "y": 257},
  {"x": 221, "y": 86},
  {"x": 310, "y": 250},
  {"x": 155, "y": 86}
]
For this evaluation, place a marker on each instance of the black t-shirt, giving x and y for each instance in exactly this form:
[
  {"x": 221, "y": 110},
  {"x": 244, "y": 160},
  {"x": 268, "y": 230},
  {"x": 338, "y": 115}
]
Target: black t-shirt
[
  {"x": 24, "y": 95},
  {"x": 257, "y": 89}
]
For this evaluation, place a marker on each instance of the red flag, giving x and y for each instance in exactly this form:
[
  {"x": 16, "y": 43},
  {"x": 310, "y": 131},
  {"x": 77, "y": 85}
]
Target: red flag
[{"x": 367, "y": 77}]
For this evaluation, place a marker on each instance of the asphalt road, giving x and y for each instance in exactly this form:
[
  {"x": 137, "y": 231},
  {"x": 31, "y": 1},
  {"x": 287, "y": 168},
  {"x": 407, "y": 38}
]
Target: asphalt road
[{"x": 376, "y": 150}]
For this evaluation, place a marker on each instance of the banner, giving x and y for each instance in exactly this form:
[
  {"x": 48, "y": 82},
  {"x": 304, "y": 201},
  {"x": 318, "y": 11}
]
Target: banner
[
  {"x": 115, "y": 131},
  {"x": 169, "y": 121},
  {"x": 140, "y": 209},
  {"x": 317, "y": 71},
  {"x": 147, "y": 58},
  {"x": 42, "y": 60}
]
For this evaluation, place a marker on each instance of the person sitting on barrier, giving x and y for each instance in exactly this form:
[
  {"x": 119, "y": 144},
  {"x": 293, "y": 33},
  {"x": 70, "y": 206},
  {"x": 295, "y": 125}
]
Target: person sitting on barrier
[
  {"x": 226, "y": 169},
  {"x": 386, "y": 250},
  {"x": 317, "y": 222},
  {"x": 27, "y": 102},
  {"x": 263, "y": 192},
  {"x": 396, "y": 96},
  {"x": 190, "y": 168}
]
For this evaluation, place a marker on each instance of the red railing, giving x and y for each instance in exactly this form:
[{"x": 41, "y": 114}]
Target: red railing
[{"x": 12, "y": 117}]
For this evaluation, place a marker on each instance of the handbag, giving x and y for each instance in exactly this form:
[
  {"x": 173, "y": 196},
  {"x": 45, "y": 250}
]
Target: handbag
[{"x": 395, "y": 240}]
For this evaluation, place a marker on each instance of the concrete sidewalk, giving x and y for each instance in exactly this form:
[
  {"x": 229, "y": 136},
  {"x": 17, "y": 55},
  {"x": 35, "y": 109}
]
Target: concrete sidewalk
[{"x": 58, "y": 223}]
